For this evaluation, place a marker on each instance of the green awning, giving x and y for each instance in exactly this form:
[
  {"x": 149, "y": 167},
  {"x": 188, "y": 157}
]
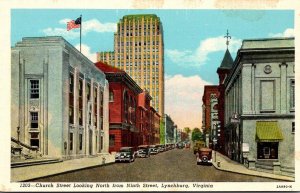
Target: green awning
[{"x": 268, "y": 131}]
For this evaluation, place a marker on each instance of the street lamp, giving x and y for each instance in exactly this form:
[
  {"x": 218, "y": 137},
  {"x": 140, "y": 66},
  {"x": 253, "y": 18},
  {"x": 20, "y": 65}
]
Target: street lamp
[{"x": 18, "y": 132}]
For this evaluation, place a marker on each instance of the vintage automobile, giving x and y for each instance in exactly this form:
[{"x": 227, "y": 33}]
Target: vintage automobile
[
  {"x": 180, "y": 145},
  {"x": 162, "y": 148},
  {"x": 126, "y": 154},
  {"x": 159, "y": 148},
  {"x": 143, "y": 151},
  {"x": 153, "y": 149},
  {"x": 198, "y": 145},
  {"x": 204, "y": 156}
]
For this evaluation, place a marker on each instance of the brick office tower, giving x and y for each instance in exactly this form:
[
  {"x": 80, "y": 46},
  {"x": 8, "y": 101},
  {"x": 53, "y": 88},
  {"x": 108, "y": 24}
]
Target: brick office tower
[{"x": 139, "y": 50}]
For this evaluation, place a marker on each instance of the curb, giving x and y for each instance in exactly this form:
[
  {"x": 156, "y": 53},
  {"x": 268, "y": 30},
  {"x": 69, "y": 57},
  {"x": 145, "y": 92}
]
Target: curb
[
  {"x": 270, "y": 177},
  {"x": 69, "y": 171}
]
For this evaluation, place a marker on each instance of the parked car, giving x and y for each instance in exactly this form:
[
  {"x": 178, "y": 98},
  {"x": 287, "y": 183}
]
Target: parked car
[
  {"x": 143, "y": 151},
  {"x": 153, "y": 149},
  {"x": 180, "y": 145},
  {"x": 158, "y": 147},
  {"x": 162, "y": 148},
  {"x": 204, "y": 156},
  {"x": 125, "y": 154}
]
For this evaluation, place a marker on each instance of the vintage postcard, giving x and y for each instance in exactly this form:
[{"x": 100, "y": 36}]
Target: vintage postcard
[{"x": 186, "y": 95}]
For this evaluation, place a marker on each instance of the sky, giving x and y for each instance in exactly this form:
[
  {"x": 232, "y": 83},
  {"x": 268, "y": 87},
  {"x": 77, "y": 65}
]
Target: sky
[{"x": 194, "y": 43}]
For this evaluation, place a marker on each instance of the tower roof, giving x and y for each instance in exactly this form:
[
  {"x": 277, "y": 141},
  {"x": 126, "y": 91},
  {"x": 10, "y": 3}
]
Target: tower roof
[{"x": 227, "y": 60}]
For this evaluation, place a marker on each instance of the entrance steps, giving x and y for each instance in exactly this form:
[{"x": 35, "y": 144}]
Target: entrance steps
[{"x": 23, "y": 163}]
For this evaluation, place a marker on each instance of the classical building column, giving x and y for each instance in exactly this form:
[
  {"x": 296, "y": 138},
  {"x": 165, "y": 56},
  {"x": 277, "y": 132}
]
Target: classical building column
[
  {"x": 75, "y": 109},
  {"x": 247, "y": 93},
  {"x": 44, "y": 138},
  {"x": 22, "y": 100},
  {"x": 253, "y": 89},
  {"x": 283, "y": 90}
]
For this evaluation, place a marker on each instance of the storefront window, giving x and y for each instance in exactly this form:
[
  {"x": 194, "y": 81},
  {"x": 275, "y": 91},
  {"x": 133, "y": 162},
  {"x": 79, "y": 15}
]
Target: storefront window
[{"x": 267, "y": 150}]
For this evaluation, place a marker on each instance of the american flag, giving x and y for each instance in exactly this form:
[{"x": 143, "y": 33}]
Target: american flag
[{"x": 74, "y": 24}]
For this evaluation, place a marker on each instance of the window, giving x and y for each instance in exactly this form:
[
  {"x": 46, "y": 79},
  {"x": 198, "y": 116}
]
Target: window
[
  {"x": 293, "y": 127},
  {"x": 101, "y": 110},
  {"x": 71, "y": 115},
  {"x": 71, "y": 82},
  {"x": 111, "y": 96},
  {"x": 34, "y": 120},
  {"x": 80, "y": 141},
  {"x": 101, "y": 143},
  {"x": 34, "y": 139},
  {"x": 71, "y": 141},
  {"x": 293, "y": 94},
  {"x": 88, "y": 92},
  {"x": 267, "y": 150},
  {"x": 111, "y": 140},
  {"x": 34, "y": 89},
  {"x": 80, "y": 117},
  {"x": 80, "y": 88}
]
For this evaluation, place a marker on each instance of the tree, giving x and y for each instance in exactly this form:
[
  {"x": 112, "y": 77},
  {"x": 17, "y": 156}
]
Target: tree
[
  {"x": 197, "y": 134},
  {"x": 187, "y": 130}
]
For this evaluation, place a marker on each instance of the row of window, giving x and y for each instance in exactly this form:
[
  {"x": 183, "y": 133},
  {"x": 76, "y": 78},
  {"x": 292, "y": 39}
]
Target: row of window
[
  {"x": 139, "y": 27},
  {"x": 137, "y": 43},
  {"x": 80, "y": 141},
  {"x": 88, "y": 96}
]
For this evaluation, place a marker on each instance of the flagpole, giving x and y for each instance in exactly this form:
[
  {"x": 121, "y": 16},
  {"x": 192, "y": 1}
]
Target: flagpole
[{"x": 80, "y": 30}]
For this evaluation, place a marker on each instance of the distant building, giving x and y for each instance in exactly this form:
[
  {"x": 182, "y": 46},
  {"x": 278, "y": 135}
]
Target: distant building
[
  {"x": 139, "y": 50},
  {"x": 59, "y": 99},
  {"x": 145, "y": 119},
  {"x": 260, "y": 105},
  {"x": 169, "y": 129}
]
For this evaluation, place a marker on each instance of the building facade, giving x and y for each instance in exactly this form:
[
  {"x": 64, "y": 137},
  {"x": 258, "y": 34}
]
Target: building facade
[
  {"x": 223, "y": 72},
  {"x": 260, "y": 105},
  {"x": 144, "y": 111},
  {"x": 139, "y": 50},
  {"x": 169, "y": 129},
  {"x": 209, "y": 110},
  {"x": 59, "y": 99},
  {"x": 124, "y": 119}
]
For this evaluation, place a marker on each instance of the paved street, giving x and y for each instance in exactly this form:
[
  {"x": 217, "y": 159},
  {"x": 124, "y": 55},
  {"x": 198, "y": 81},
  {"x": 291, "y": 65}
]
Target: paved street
[{"x": 174, "y": 165}]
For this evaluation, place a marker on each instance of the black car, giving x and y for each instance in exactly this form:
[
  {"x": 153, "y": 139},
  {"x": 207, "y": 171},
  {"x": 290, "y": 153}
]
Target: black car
[
  {"x": 126, "y": 154},
  {"x": 180, "y": 145},
  {"x": 153, "y": 149},
  {"x": 143, "y": 151}
]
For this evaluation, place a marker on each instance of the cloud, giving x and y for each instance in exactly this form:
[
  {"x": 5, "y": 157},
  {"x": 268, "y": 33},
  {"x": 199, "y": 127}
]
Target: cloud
[
  {"x": 61, "y": 32},
  {"x": 200, "y": 56},
  {"x": 86, "y": 50},
  {"x": 92, "y": 25},
  {"x": 289, "y": 32},
  {"x": 183, "y": 99}
]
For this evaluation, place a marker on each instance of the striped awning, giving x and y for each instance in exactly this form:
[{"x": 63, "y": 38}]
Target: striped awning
[{"x": 268, "y": 131}]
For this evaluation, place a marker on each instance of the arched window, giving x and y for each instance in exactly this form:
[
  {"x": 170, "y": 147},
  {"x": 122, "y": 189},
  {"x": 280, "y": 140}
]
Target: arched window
[
  {"x": 111, "y": 96},
  {"x": 125, "y": 101},
  {"x": 133, "y": 108}
]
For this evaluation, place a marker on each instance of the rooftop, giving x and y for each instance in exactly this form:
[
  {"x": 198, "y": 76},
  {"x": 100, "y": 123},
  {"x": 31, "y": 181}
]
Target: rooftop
[
  {"x": 227, "y": 61},
  {"x": 140, "y": 16},
  {"x": 268, "y": 43}
]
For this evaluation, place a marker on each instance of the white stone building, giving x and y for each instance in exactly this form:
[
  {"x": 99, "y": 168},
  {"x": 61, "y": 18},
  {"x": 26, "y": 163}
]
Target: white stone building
[
  {"x": 59, "y": 99},
  {"x": 260, "y": 105}
]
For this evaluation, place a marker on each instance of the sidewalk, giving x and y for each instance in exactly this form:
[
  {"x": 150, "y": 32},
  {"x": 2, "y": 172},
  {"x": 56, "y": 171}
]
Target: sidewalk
[
  {"x": 229, "y": 165},
  {"x": 37, "y": 171}
]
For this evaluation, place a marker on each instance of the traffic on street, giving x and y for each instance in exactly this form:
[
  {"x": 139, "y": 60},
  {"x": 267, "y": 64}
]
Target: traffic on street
[{"x": 178, "y": 164}]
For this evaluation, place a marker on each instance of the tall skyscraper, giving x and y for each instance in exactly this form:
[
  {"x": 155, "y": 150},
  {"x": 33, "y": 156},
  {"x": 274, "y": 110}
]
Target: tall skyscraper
[{"x": 139, "y": 50}]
